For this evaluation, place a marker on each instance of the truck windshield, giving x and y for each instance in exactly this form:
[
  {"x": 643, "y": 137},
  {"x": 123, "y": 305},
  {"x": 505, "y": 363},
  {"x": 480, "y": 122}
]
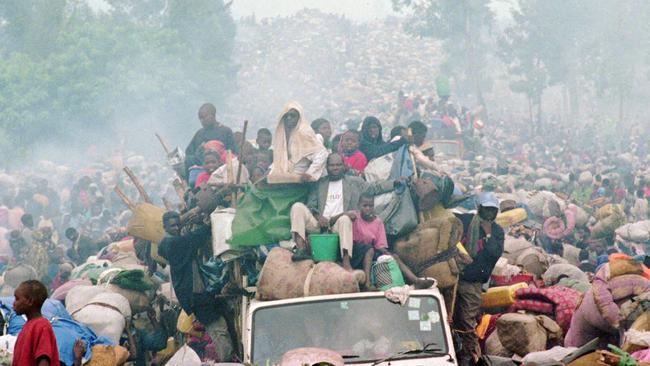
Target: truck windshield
[{"x": 360, "y": 329}]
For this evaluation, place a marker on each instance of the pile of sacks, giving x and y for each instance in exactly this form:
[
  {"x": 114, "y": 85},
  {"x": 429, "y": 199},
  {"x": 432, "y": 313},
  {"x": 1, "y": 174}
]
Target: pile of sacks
[{"x": 556, "y": 316}]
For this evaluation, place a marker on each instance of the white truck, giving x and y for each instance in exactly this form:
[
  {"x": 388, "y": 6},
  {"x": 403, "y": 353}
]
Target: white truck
[{"x": 364, "y": 328}]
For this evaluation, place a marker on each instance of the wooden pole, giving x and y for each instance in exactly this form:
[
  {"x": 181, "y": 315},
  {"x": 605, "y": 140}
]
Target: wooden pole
[
  {"x": 162, "y": 142},
  {"x": 127, "y": 201},
  {"x": 136, "y": 182},
  {"x": 240, "y": 163}
]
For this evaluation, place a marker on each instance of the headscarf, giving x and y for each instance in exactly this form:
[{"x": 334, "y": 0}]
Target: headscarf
[
  {"x": 302, "y": 142},
  {"x": 218, "y": 147},
  {"x": 365, "y": 131}
]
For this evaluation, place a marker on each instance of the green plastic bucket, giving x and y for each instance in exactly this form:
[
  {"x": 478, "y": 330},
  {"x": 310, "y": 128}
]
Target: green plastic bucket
[{"x": 324, "y": 247}]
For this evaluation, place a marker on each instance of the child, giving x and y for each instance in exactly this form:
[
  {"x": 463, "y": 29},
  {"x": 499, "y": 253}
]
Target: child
[
  {"x": 352, "y": 156},
  {"x": 264, "y": 139},
  {"x": 211, "y": 161},
  {"x": 369, "y": 238},
  {"x": 323, "y": 130},
  {"x": 36, "y": 344}
]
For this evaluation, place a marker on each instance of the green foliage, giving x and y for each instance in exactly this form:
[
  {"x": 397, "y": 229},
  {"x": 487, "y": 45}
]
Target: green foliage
[{"x": 89, "y": 71}]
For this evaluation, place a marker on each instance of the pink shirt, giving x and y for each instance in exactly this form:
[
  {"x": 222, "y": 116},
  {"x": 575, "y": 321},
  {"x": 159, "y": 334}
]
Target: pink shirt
[
  {"x": 373, "y": 232},
  {"x": 201, "y": 178}
]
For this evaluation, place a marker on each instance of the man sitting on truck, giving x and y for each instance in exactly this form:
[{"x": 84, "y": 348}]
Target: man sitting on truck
[{"x": 331, "y": 204}]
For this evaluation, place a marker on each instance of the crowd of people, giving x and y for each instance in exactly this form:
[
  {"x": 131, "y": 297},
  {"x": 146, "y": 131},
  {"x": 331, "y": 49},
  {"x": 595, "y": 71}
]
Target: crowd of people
[
  {"x": 337, "y": 67},
  {"x": 525, "y": 200}
]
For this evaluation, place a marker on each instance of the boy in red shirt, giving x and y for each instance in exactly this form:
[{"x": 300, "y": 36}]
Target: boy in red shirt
[{"x": 36, "y": 344}]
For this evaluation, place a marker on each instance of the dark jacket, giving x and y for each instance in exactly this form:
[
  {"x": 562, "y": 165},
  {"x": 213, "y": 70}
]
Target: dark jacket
[
  {"x": 486, "y": 258},
  {"x": 353, "y": 187},
  {"x": 193, "y": 154},
  {"x": 374, "y": 148},
  {"x": 181, "y": 252}
]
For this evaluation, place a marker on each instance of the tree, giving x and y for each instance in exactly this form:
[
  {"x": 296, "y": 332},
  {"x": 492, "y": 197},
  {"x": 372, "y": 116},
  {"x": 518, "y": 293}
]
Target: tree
[
  {"x": 32, "y": 26},
  {"x": 523, "y": 48},
  {"x": 621, "y": 43},
  {"x": 463, "y": 26},
  {"x": 99, "y": 72}
]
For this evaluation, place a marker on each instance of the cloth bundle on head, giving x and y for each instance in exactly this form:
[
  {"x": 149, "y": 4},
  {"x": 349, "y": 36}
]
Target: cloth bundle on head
[{"x": 287, "y": 153}]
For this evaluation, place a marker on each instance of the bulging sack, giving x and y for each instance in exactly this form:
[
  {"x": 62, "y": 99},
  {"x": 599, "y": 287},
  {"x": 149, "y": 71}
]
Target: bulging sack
[
  {"x": 104, "y": 321},
  {"x": 328, "y": 278},
  {"x": 521, "y": 333},
  {"x": 138, "y": 301},
  {"x": 281, "y": 278},
  {"x": 146, "y": 224},
  {"x": 15, "y": 275},
  {"x": 431, "y": 249}
]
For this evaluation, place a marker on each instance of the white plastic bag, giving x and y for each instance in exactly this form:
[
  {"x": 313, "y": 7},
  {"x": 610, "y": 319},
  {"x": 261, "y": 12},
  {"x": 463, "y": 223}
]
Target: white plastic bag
[
  {"x": 221, "y": 220},
  {"x": 185, "y": 356}
]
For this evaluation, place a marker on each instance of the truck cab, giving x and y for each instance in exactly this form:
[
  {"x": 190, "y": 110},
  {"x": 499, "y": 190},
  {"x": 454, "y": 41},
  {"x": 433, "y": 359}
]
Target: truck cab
[{"x": 364, "y": 328}]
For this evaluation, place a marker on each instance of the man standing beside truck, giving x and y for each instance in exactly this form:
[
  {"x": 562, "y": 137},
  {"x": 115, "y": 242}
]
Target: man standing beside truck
[{"x": 483, "y": 238}]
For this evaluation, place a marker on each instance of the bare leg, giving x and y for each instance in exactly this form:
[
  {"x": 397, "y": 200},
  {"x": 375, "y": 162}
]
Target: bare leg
[
  {"x": 367, "y": 265},
  {"x": 346, "y": 260},
  {"x": 300, "y": 242}
]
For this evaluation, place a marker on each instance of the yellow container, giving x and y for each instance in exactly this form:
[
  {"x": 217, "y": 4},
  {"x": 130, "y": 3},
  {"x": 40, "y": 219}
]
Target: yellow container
[
  {"x": 184, "y": 322},
  {"x": 511, "y": 217},
  {"x": 607, "y": 211},
  {"x": 502, "y": 296}
]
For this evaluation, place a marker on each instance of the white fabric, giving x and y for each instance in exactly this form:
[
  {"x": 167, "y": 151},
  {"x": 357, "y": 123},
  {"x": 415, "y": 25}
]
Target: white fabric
[
  {"x": 115, "y": 300},
  {"x": 312, "y": 164},
  {"x": 556, "y": 353},
  {"x": 222, "y": 175},
  {"x": 300, "y": 152},
  {"x": 334, "y": 202},
  {"x": 7, "y": 343},
  {"x": 102, "y": 320},
  {"x": 221, "y": 220},
  {"x": 376, "y": 170},
  {"x": 80, "y": 296},
  {"x": 185, "y": 356},
  {"x": 638, "y": 231},
  {"x": 398, "y": 295}
]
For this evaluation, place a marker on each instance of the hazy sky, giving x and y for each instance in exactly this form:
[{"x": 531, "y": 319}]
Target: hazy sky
[
  {"x": 361, "y": 10},
  {"x": 355, "y": 9}
]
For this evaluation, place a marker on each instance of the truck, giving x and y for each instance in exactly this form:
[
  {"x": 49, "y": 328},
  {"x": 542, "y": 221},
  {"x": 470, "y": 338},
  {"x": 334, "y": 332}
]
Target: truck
[{"x": 364, "y": 328}]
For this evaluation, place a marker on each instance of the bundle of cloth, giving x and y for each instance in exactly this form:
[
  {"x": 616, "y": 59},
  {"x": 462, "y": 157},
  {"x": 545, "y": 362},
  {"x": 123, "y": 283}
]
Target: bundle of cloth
[
  {"x": 557, "y": 302},
  {"x": 599, "y": 314},
  {"x": 555, "y": 228}
]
